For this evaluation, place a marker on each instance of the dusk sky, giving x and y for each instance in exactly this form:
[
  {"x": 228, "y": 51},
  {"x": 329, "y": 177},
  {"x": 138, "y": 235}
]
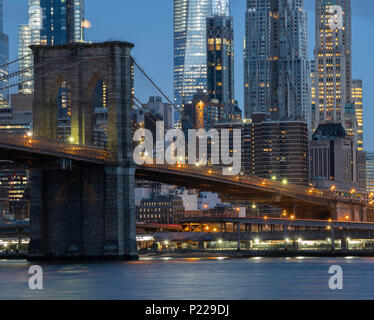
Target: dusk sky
[{"x": 149, "y": 25}]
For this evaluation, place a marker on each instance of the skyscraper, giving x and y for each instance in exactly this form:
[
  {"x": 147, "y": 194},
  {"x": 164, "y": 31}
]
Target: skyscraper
[
  {"x": 190, "y": 69},
  {"x": 333, "y": 61},
  {"x": 273, "y": 149},
  {"x": 276, "y": 67},
  {"x": 370, "y": 172},
  {"x": 4, "y": 57},
  {"x": 220, "y": 59},
  {"x": 60, "y": 22},
  {"x": 313, "y": 89},
  {"x": 294, "y": 84},
  {"x": 358, "y": 103}
]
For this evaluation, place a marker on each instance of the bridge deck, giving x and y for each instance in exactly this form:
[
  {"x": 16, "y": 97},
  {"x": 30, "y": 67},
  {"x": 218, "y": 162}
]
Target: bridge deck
[
  {"x": 39, "y": 146},
  {"x": 240, "y": 187}
]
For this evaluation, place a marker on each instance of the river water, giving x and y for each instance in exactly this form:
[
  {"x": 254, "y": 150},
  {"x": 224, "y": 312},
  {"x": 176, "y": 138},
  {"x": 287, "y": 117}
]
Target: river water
[{"x": 196, "y": 279}]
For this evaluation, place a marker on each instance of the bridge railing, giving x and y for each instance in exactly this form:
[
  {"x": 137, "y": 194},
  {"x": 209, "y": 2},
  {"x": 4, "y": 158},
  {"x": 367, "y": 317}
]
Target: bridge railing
[
  {"x": 50, "y": 147},
  {"x": 216, "y": 172},
  {"x": 276, "y": 186},
  {"x": 90, "y": 153}
]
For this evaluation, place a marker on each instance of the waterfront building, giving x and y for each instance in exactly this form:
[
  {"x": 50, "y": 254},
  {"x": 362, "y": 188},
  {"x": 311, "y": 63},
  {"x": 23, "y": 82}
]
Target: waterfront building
[
  {"x": 190, "y": 58},
  {"x": 4, "y": 58},
  {"x": 273, "y": 149},
  {"x": 161, "y": 210},
  {"x": 15, "y": 196},
  {"x": 198, "y": 201},
  {"x": 333, "y": 66},
  {"x": 276, "y": 66},
  {"x": 333, "y": 158}
]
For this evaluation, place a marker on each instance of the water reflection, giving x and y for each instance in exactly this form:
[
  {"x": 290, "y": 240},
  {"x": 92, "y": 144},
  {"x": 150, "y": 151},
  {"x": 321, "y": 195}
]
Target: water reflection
[{"x": 192, "y": 278}]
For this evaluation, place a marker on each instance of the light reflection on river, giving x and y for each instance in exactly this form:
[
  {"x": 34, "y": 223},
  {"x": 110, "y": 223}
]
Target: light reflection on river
[{"x": 197, "y": 279}]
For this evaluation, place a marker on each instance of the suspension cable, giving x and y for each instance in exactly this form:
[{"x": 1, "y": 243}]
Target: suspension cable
[
  {"x": 19, "y": 72},
  {"x": 14, "y": 61}
]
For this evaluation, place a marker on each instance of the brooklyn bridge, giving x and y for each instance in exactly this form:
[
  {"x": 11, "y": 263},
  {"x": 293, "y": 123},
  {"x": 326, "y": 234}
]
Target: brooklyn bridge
[{"x": 82, "y": 196}]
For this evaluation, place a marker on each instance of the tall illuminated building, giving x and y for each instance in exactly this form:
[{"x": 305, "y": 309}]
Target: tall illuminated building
[
  {"x": 276, "y": 66},
  {"x": 61, "y": 22},
  {"x": 358, "y": 103},
  {"x": 190, "y": 66},
  {"x": 333, "y": 63},
  {"x": 313, "y": 89},
  {"x": 370, "y": 172},
  {"x": 4, "y": 57},
  {"x": 220, "y": 58}
]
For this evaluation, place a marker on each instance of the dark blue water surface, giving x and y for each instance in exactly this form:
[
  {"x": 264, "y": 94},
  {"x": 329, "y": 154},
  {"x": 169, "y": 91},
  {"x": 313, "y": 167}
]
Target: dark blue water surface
[{"x": 198, "y": 279}]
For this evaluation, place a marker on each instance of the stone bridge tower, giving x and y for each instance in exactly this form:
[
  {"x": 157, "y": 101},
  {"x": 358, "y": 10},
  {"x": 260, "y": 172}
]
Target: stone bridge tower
[{"x": 87, "y": 211}]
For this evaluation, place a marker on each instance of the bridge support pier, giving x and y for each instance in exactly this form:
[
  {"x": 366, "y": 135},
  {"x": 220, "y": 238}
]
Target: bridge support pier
[
  {"x": 85, "y": 213},
  {"x": 120, "y": 215}
]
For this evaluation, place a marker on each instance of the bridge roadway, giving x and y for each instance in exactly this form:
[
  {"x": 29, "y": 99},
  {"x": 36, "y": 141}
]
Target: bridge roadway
[
  {"x": 28, "y": 148},
  {"x": 236, "y": 189},
  {"x": 249, "y": 188}
]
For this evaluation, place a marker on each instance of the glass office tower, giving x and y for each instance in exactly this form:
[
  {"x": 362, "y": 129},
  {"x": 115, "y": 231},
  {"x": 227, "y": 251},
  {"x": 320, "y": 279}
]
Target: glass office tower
[
  {"x": 62, "y": 21},
  {"x": 220, "y": 60},
  {"x": 190, "y": 69},
  {"x": 4, "y": 57},
  {"x": 358, "y": 103},
  {"x": 333, "y": 65}
]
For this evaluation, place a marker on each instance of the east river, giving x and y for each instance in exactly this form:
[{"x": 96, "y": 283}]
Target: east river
[{"x": 196, "y": 279}]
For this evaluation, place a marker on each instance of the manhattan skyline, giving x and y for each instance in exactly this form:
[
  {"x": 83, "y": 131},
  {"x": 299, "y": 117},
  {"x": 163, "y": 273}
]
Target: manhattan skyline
[{"x": 154, "y": 33}]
